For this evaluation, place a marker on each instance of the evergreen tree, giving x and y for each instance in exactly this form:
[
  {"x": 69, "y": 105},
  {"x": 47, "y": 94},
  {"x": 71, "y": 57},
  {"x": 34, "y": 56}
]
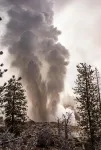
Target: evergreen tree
[
  {"x": 86, "y": 91},
  {"x": 15, "y": 105},
  {"x": 2, "y": 88}
]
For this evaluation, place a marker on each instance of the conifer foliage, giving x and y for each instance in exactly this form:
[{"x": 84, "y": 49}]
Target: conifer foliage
[
  {"x": 87, "y": 98},
  {"x": 15, "y": 105}
]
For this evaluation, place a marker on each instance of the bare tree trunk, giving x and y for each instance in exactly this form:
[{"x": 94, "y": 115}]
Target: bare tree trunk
[
  {"x": 88, "y": 109},
  {"x": 59, "y": 127},
  {"x": 12, "y": 128},
  {"x": 98, "y": 87}
]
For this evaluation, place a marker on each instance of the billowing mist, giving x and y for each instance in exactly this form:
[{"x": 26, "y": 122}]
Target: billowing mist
[{"x": 41, "y": 61}]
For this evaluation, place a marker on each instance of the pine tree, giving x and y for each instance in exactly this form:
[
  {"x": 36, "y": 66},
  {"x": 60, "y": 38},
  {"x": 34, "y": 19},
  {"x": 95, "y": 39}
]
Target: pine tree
[
  {"x": 86, "y": 91},
  {"x": 98, "y": 96},
  {"x": 3, "y": 86},
  {"x": 15, "y": 105}
]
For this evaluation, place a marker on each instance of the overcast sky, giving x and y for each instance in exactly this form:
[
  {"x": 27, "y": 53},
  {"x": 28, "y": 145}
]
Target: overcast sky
[{"x": 80, "y": 23}]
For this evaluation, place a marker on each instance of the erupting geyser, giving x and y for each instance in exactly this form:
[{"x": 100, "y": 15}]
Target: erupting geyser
[{"x": 41, "y": 60}]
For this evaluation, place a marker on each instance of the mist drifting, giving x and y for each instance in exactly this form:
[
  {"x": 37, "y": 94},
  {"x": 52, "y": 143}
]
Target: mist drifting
[{"x": 41, "y": 60}]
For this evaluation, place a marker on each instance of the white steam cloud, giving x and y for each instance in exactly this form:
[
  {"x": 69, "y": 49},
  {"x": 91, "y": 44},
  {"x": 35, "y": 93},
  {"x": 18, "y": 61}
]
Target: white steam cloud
[{"x": 40, "y": 59}]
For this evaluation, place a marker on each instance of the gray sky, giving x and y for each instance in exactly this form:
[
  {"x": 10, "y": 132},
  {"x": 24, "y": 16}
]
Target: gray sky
[{"x": 80, "y": 23}]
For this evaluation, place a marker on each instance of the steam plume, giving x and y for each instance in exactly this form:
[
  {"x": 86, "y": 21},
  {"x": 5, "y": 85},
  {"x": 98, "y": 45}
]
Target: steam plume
[{"x": 32, "y": 41}]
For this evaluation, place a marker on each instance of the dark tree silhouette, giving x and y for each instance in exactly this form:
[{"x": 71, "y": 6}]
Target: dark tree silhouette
[
  {"x": 15, "y": 105},
  {"x": 86, "y": 91}
]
